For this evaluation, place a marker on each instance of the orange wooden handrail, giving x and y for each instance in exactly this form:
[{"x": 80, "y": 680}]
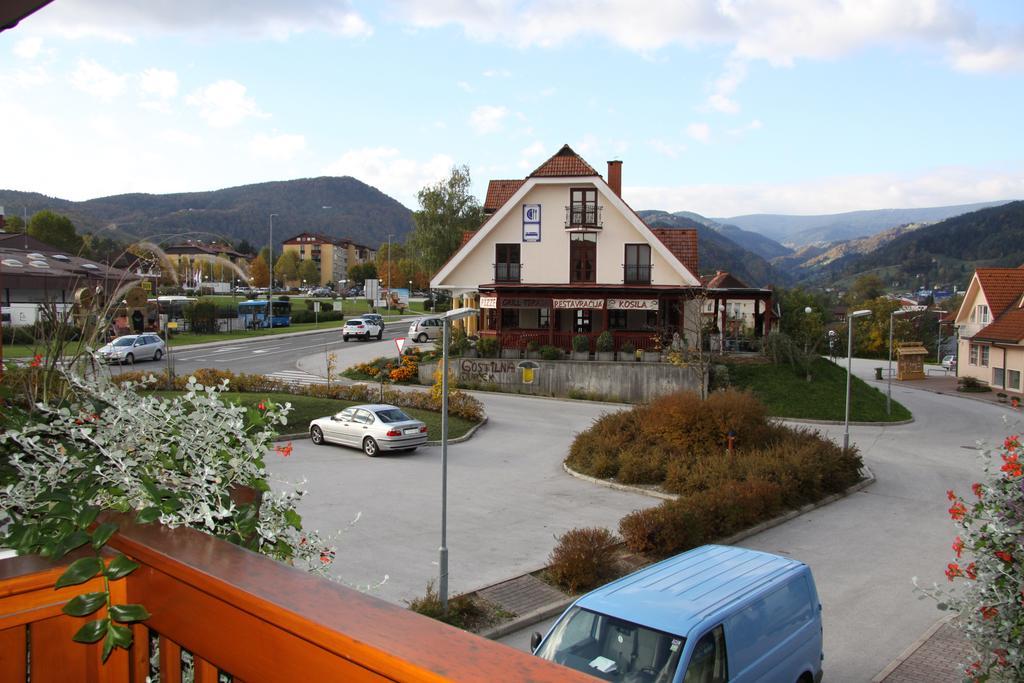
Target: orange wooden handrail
[{"x": 247, "y": 615}]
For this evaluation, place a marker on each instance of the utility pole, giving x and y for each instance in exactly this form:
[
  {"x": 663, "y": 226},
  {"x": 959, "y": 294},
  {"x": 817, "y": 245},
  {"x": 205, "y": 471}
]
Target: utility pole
[{"x": 270, "y": 290}]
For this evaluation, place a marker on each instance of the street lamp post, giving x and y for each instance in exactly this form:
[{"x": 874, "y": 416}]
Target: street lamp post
[
  {"x": 892, "y": 315},
  {"x": 388, "y": 300},
  {"x": 447, "y": 319},
  {"x": 270, "y": 267},
  {"x": 849, "y": 369}
]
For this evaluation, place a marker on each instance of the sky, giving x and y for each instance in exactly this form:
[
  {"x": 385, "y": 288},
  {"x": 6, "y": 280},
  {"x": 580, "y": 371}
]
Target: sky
[{"x": 722, "y": 107}]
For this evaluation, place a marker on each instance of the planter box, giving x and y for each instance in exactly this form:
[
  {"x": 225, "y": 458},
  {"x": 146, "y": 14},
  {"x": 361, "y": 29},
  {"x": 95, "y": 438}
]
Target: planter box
[
  {"x": 510, "y": 353},
  {"x": 580, "y": 355},
  {"x": 651, "y": 356},
  {"x": 627, "y": 356},
  {"x": 533, "y": 354},
  {"x": 605, "y": 355},
  {"x": 469, "y": 353}
]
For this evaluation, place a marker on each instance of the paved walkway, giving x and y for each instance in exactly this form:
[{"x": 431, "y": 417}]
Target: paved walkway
[{"x": 935, "y": 658}]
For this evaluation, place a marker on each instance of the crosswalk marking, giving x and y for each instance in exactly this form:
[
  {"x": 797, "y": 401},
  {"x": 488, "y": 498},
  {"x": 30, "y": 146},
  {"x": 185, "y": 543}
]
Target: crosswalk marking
[{"x": 296, "y": 377}]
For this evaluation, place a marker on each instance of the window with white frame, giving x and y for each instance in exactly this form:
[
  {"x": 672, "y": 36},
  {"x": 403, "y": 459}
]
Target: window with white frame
[
  {"x": 984, "y": 356},
  {"x": 1013, "y": 379},
  {"x": 997, "y": 377},
  {"x": 973, "y": 360},
  {"x": 982, "y": 313}
]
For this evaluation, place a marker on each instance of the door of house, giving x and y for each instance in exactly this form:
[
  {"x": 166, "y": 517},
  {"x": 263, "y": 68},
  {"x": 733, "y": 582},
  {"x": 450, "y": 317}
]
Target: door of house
[{"x": 582, "y": 257}]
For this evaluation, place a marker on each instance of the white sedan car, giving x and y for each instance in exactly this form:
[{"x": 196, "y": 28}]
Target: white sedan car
[
  {"x": 132, "y": 347},
  {"x": 361, "y": 328},
  {"x": 372, "y": 428}
]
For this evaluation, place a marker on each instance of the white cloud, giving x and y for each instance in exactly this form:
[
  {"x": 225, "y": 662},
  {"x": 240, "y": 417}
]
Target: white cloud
[
  {"x": 179, "y": 138},
  {"x": 487, "y": 118},
  {"x": 26, "y": 77},
  {"x": 28, "y": 48},
  {"x": 529, "y": 156},
  {"x": 721, "y": 99},
  {"x": 672, "y": 150},
  {"x": 754, "y": 124},
  {"x": 701, "y": 132},
  {"x": 224, "y": 104},
  {"x": 159, "y": 83},
  {"x": 386, "y": 169},
  {"x": 497, "y": 73},
  {"x": 283, "y": 147},
  {"x": 91, "y": 77},
  {"x": 939, "y": 187},
  {"x": 979, "y": 58},
  {"x": 126, "y": 20},
  {"x": 463, "y": 85}
]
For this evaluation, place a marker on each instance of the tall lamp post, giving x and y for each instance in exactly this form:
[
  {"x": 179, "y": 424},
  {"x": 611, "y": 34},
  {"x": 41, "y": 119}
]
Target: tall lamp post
[
  {"x": 892, "y": 316},
  {"x": 270, "y": 290},
  {"x": 388, "y": 300},
  {"x": 849, "y": 369},
  {"x": 447, "y": 319}
]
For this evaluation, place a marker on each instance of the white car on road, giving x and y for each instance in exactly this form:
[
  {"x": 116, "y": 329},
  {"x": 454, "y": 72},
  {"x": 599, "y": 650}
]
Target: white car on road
[
  {"x": 372, "y": 428},
  {"x": 361, "y": 328},
  {"x": 132, "y": 347}
]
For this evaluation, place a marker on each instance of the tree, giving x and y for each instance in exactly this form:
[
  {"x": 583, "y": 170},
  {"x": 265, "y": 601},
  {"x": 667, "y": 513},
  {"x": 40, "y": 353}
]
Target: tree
[
  {"x": 361, "y": 272},
  {"x": 865, "y": 288},
  {"x": 394, "y": 276},
  {"x": 447, "y": 209},
  {"x": 310, "y": 272},
  {"x": 13, "y": 224},
  {"x": 56, "y": 230},
  {"x": 243, "y": 247},
  {"x": 259, "y": 274},
  {"x": 287, "y": 267}
]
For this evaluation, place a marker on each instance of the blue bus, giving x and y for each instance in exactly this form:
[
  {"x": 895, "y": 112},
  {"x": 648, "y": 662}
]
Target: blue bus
[{"x": 253, "y": 314}]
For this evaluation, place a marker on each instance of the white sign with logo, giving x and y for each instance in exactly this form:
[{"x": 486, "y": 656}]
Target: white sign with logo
[
  {"x": 531, "y": 222},
  {"x": 632, "y": 304},
  {"x": 488, "y": 302},
  {"x": 578, "y": 303}
]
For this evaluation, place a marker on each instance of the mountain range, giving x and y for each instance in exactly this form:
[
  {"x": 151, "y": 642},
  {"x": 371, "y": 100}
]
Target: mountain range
[{"x": 335, "y": 206}]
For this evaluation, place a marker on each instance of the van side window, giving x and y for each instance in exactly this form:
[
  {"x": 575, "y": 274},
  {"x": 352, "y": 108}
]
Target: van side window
[{"x": 708, "y": 662}]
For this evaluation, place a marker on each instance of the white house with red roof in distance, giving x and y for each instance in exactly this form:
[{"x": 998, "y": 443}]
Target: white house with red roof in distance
[
  {"x": 560, "y": 254},
  {"x": 739, "y": 312},
  {"x": 990, "y": 329}
]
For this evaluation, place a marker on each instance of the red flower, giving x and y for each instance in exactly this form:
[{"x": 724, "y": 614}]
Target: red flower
[
  {"x": 1004, "y": 556},
  {"x": 950, "y": 494},
  {"x": 978, "y": 489},
  {"x": 1012, "y": 465},
  {"x": 285, "y": 450},
  {"x": 261, "y": 406},
  {"x": 953, "y": 570},
  {"x": 958, "y": 546},
  {"x": 1000, "y": 654},
  {"x": 1012, "y": 442},
  {"x": 969, "y": 572},
  {"x": 989, "y": 613},
  {"x": 326, "y": 556},
  {"x": 957, "y": 511},
  {"x": 37, "y": 360}
]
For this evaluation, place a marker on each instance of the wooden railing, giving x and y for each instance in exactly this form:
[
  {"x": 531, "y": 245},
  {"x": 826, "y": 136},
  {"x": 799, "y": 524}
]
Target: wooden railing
[
  {"x": 241, "y": 614},
  {"x": 518, "y": 339}
]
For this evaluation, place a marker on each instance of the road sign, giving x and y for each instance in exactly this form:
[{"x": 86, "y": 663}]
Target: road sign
[
  {"x": 400, "y": 343},
  {"x": 913, "y": 309}
]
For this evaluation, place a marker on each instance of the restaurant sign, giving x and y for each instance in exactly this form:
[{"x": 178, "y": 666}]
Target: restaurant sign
[
  {"x": 578, "y": 303},
  {"x": 488, "y": 302},
  {"x": 632, "y": 304},
  {"x": 521, "y": 302}
]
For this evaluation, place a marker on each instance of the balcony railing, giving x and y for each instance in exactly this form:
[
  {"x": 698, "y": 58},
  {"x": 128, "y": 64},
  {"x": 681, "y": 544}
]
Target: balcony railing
[
  {"x": 583, "y": 215},
  {"x": 637, "y": 274},
  {"x": 241, "y": 614},
  {"x": 507, "y": 272}
]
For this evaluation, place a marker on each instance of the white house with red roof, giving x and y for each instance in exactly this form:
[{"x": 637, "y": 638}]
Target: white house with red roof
[
  {"x": 560, "y": 254},
  {"x": 990, "y": 329}
]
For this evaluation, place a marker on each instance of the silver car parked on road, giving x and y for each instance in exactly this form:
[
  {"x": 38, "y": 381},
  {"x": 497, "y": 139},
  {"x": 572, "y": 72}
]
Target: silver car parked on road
[
  {"x": 132, "y": 347},
  {"x": 372, "y": 428},
  {"x": 425, "y": 329}
]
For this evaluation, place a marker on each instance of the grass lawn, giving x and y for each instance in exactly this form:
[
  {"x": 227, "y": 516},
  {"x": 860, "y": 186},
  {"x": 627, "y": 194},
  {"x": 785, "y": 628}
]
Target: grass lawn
[
  {"x": 788, "y": 394},
  {"x": 306, "y": 408}
]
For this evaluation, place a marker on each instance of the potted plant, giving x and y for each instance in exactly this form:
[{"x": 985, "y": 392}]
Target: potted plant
[
  {"x": 1001, "y": 396},
  {"x": 533, "y": 349},
  {"x": 507, "y": 352},
  {"x": 581, "y": 347},
  {"x": 650, "y": 356},
  {"x": 627, "y": 351},
  {"x": 1015, "y": 401},
  {"x": 548, "y": 352},
  {"x": 605, "y": 346},
  {"x": 487, "y": 347}
]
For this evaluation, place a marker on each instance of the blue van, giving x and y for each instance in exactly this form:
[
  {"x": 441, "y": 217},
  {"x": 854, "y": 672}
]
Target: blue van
[{"x": 711, "y": 615}]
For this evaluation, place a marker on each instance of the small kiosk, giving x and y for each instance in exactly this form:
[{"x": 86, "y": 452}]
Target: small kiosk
[{"x": 910, "y": 364}]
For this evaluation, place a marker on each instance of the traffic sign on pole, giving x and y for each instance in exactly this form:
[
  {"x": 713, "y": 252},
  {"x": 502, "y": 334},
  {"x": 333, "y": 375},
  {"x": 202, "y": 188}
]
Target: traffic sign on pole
[{"x": 400, "y": 343}]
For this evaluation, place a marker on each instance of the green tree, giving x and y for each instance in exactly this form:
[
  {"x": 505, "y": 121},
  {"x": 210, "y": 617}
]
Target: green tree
[
  {"x": 310, "y": 272},
  {"x": 13, "y": 224},
  {"x": 361, "y": 272},
  {"x": 865, "y": 288},
  {"x": 447, "y": 209},
  {"x": 287, "y": 267},
  {"x": 259, "y": 274},
  {"x": 243, "y": 247},
  {"x": 56, "y": 230}
]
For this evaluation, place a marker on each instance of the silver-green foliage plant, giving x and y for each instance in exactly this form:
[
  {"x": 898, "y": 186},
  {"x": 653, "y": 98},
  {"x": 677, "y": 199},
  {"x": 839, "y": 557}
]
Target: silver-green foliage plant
[
  {"x": 988, "y": 567},
  {"x": 187, "y": 461}
]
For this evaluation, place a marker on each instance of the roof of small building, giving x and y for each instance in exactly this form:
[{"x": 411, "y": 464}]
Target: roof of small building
[
  {"x": 24, "y": 256},
  {"x": 565, "y": 162},
  {"x": 682, "y": 242},
  {"x": 1002, "y": 287},
  {"x": 725, "y": 280},
  {"x": 499, "y": 191}
]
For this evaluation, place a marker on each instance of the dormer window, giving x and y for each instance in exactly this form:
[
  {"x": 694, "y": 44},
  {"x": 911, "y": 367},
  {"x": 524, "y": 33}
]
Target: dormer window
[{"x": 583, "y": 211}]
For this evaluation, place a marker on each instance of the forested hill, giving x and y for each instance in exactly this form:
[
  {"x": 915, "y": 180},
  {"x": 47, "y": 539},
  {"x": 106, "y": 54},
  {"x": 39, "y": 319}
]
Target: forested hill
[
  {"x": 717, "y": 252},
  {"x": 339, "y": 207},
  {"x": 952, "y": 249}
]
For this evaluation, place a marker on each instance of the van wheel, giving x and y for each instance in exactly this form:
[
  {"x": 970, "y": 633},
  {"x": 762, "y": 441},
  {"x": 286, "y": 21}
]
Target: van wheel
[
  {"x": 422, "y": 338},
  {"x": 370, "y": 447}
]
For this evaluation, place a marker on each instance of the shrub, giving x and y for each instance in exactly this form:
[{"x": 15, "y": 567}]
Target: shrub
[
  {"x": 487, "y": 347},
  {"x": 463, "y": 611},
  {"x": 533, "y": 346},
  {"x": 605, "y": 343},
  {"x": 972, "y": 384},
  {"x": 548, "y": 352},
  {"x": 583, "y": 559},
  {"x": 627, "y": 347},
  {"x": 202, "y": 317},
  {"x": 581, "y": 343}
]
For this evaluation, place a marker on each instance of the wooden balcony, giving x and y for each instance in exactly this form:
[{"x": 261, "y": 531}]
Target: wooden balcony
[{"x": 241, "y": 614}]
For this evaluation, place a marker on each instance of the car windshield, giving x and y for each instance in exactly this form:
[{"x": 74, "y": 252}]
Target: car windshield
[
  {"x": 392, "y": 415},
  {"x": 124, "y": 341},
  {"x": 612, "y": 649}
]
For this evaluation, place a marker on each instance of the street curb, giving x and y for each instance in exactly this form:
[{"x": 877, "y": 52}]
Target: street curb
[
  {"x": 264, "y": 337},
  {"x": 911, "y": 649},
  {"x": 840, "y": 422},
  {"x": 617, "y": 486},
  {"x": 547, "y": 611}
]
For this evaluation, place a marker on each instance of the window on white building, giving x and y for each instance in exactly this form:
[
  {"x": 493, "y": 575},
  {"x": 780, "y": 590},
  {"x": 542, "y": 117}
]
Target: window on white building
[
  {"x": 982, "y": 313},
  {"x": 973, "y": 360},
  {"x": 1013, "y": 379},
  {"x": 997, "y": 377},
  {"x": 984, "y": 356}
]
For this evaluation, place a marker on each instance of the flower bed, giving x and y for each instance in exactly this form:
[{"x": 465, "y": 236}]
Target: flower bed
[{"x": 405, "y": 371}]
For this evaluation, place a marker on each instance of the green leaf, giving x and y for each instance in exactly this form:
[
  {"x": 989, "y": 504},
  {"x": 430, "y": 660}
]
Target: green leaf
[
  {"x": 108, "y": 646},
  {"x": 120, "y": 566},
  {"x": 80, "y": 571},
  {"x": 85, "y": 604},
  {"x": 294, "y": 519},
  {"x": 91, "y": 631},
  {"x": 88, "y": 515},
  {"x": 127, "y": 613},
  {"x": 121, "y": 635},
  {"x": 102, "y": 534},
  {"x": 147, "y": 515},
  {"x": 77, "y": 539}
]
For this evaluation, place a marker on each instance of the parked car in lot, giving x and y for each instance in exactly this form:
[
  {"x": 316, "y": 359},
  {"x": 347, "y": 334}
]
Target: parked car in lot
[
  {"x": 372, "y": 428},
  {"x": 713, "y": 614},
  {"x": 361, "y": 328},
  {"x": 425, "y": 329},
  {"x": 322, "y": 291},
  {"x": 375, "y": 318},
  {"x": 949, "y": 362},
  {"x": 133, "y": 347}
]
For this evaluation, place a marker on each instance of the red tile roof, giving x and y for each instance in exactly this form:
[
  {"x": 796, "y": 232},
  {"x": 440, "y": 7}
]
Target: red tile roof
[
  {"x": 565, "y": 162},
  {"x": 1008, "y": 328},
  {"x": 682, "y": 242},
  {"x": 1002, "y": 287},
  {"x": 499, "y": 191},
  {"x": 725, "y": 280}
]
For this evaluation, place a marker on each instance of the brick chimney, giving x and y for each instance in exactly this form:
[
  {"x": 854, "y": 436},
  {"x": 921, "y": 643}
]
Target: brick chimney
[{"x": 615, "y": 177}]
